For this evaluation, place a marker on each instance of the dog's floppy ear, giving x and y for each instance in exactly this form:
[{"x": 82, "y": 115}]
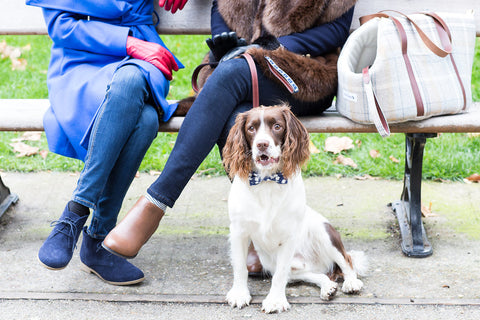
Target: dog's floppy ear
[
  {"x": 296, "y": 145},
  {"x": 236, "y": 153}
]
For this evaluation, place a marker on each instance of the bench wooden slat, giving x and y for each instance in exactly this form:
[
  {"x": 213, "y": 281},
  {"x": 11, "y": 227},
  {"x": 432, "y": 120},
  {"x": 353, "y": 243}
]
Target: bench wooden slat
[
  {"x": 195, "y": 17},
  {"x": 27, "y": 114}
]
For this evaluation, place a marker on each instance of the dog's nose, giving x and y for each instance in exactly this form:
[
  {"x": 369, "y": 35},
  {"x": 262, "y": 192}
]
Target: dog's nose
[{"x": 262, "y": 145}]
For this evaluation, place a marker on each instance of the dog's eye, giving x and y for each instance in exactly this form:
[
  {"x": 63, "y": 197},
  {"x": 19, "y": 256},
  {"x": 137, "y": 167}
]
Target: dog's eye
[
  {"x": 277, "y": 127},
  {"x": 251, "y": 129}
]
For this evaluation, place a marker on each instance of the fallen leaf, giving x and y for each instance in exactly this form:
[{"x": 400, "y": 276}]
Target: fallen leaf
[
  {"x": 154, "y": 173},
  {"x": 366, "y": 177},
  {"x": 14, "y": 53},
  {"x": 473, "y": 134},
  {"x": 358, "y": 142},
  {"x": 29, "y": 136},
  {"x": 19, "y": 64},
  {"x": 24, "y": 150},
  {"x": 313, "y": 149},
  {"x": 3, "y": 46},
  {"x": 27, "y": 47},
  {"x": 374, "y": 153},
  {"x": 474, "y": 177},
  {"x": 200, "y": 172},
  {"x": 427, "y": 211},
  {"x": 394, "y": 159},
  {"x": 337, "y": 144},
  {"x": 345, "y": 161},
  {"x": 43, "y": 153}
]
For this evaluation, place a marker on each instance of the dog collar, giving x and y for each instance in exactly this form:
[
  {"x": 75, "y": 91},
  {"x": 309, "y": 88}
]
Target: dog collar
[{"x": 254, "y": 178}]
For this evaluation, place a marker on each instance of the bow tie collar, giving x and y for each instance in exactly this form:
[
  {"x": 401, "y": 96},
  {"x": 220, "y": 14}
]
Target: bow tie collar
[{"x": 254, "y": 178}]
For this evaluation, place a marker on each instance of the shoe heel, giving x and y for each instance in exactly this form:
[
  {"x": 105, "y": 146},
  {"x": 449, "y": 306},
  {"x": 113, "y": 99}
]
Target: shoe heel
[
  {"x": 85, "y": 268},
  {"x": 116, "y": 253}
]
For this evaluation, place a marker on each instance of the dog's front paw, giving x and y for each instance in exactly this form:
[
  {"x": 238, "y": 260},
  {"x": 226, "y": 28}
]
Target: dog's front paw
[
  {"x": 239, "y": 297},
  {"x": 273, "y": 303},
  {"x": 353, "y": 285},
  {"x": 328, "y": 290}
]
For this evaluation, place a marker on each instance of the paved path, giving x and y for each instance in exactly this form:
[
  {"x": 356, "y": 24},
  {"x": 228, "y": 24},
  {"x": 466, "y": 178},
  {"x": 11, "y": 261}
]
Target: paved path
[{"x": 187, "y": 267}]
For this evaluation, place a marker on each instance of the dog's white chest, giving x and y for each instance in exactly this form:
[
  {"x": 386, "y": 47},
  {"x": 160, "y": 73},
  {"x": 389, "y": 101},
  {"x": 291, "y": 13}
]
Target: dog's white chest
[{"x": 268, "y": 212}]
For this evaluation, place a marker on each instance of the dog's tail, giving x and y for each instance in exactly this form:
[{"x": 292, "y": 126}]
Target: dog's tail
[{"x": 359, "y": 262}]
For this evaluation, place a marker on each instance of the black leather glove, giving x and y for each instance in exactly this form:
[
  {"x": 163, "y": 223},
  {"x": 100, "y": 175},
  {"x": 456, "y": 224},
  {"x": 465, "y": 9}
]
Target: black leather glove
[
  {"x": 267, "y": 41},
  {"x": 222, "y": 43},
  {"x": 235, "y": 52}
]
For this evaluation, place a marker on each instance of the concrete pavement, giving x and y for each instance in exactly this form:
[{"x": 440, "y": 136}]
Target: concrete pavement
[{"x": 187, "y": 266}]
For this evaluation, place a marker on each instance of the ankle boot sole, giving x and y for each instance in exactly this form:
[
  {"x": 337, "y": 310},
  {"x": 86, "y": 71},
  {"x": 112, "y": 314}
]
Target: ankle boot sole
[
  {"x": 116, "y": 253},
  {"x": 48, "y": 267},
  {"x": 87, "y": 269}
]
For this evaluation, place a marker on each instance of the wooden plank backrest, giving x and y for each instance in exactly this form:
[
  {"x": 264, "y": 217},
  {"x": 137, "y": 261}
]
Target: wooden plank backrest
[{"x": 18, "y": 18}]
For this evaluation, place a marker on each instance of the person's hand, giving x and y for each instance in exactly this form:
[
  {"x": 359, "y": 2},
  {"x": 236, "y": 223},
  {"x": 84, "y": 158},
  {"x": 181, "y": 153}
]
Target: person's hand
[
  {"x": 222, "y": 43},
  {"x": 235, "y": 52},
  {"x": 153, "y": 53},
  {"x": 268, "y": 42},
  {"x": 172, "y": 5}
]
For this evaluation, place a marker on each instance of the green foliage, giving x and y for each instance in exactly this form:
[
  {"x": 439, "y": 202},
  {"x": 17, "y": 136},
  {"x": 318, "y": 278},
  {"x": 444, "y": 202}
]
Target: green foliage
[
  {"x": 31, "y": 82},
  {"x": 450, "y": 156},
  {"x": 190, "y": 49},
  {"x": 476, "y": 73}
]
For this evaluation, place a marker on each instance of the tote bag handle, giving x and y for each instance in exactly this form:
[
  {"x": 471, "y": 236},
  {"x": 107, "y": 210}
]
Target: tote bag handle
[{"x": 445, "y": 36}]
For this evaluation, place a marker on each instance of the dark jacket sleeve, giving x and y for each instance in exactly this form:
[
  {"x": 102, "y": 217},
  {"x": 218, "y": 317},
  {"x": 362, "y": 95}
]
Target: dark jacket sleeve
[
  {"x": 217, "y": 24},
  {"x": 321, "y": 39}
]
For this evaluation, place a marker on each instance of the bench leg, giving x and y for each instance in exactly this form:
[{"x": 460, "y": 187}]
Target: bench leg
[
  {"x": 6, "y": 198},
  {"x": 408, "y": 208}
]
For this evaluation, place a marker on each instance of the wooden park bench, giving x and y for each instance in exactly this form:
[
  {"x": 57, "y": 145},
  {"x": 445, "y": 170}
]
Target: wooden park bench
[{"x": 26, "y": 114}]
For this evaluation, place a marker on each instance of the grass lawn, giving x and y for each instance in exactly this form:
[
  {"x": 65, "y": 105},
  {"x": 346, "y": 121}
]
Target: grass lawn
[{"x": 450, "y": 156}]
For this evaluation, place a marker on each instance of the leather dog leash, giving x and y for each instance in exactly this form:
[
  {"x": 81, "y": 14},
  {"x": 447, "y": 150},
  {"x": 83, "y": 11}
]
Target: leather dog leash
[{"x": 253, "y": 72}]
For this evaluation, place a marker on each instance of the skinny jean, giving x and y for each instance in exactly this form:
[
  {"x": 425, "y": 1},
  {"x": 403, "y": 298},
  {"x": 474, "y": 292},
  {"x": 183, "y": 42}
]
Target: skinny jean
[
  {"x": 227, "y": 92},
  {"x": 123, "y": 130}
]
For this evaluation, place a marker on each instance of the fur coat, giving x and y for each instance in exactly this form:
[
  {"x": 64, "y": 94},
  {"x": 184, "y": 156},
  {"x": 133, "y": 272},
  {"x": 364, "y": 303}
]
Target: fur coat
[{"x": 316, "y": 77}]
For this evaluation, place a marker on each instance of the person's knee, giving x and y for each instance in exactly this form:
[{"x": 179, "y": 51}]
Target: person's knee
[
  {"x": 148, "y": 122},
  {"x": 129, "y": 81},
  {"x": 231, "y": 69}
]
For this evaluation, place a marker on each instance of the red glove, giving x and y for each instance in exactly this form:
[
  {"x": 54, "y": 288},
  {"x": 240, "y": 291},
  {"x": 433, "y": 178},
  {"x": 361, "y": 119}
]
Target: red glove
[
  {"x": 153, "y": 53},
  {"x": 174, "y": 5}
]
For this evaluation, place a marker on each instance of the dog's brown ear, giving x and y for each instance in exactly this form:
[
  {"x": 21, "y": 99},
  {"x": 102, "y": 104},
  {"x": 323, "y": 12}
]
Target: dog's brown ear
[
  {"x": 236, "y": 153},
  {"x": 296, "y": 145}
]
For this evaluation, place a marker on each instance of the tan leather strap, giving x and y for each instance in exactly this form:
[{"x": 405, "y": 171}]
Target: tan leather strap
[
  {"x": 445, "y": 37},
  {"x": 197, "y": 71},
  {"x": 429, "y": 43},
  {"x": 411, "y": 76},
  {"x": 253, "y": 72},
  {"x": 443, "y": 33},
  {"x": 374, "y": 110}
]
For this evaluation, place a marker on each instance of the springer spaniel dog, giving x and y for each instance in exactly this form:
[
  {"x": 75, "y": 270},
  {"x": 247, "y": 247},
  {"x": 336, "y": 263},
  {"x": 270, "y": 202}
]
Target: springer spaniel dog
[{"x": 264, "y": 153}]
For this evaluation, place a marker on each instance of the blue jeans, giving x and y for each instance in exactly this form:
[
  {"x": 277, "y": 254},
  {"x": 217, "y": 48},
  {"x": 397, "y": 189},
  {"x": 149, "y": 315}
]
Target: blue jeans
[
  {"x": 124, "y": 128},
  {"x": 227, "y": 92}
]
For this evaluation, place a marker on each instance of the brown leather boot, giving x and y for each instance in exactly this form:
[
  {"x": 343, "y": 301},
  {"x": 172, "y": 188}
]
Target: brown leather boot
[
  {"x": 128, "y": 237},
  {"x": 254, "y": 266}
]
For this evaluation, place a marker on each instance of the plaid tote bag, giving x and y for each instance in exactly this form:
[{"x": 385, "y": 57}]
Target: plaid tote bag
[{"x": 397, "y": 68}]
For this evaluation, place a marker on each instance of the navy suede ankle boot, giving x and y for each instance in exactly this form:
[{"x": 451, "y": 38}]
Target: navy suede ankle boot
[
  {"x": 57, "y": 251},
  {"x": 108, "y": 267}
]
